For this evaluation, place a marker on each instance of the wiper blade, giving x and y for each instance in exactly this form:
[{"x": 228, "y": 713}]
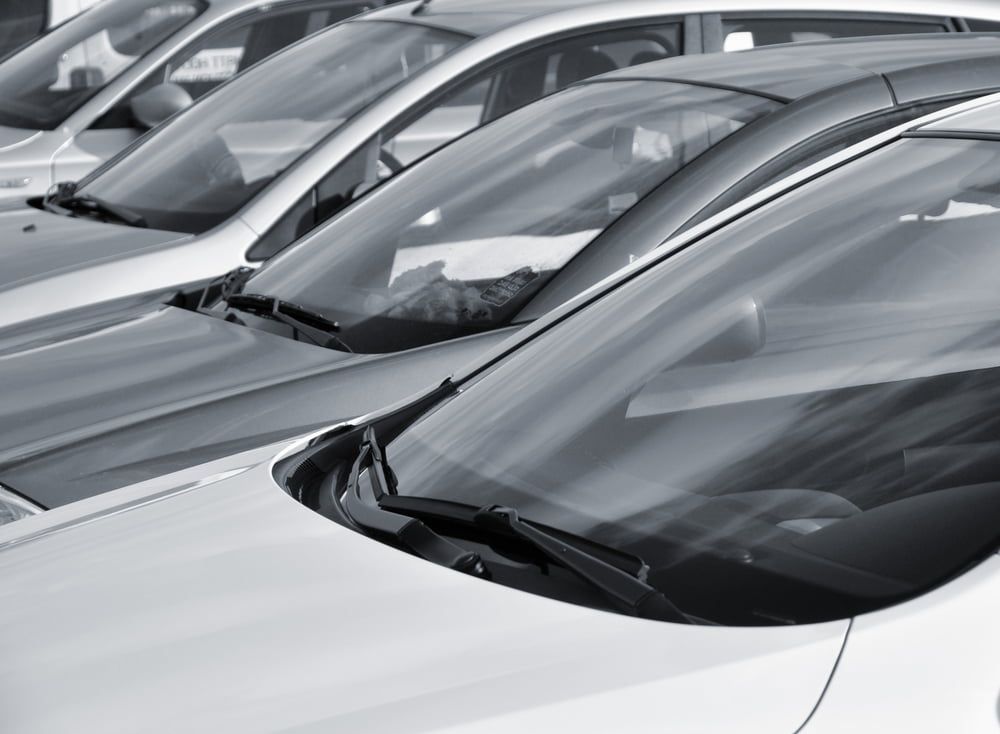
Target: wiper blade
[
  {"x": 409, "y": 532},
  {"x": 89, "y": 204},
  {"x": 315, "y": 327}
]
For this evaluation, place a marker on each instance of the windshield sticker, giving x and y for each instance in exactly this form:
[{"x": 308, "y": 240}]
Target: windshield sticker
[{"x": 504, "y": 290}]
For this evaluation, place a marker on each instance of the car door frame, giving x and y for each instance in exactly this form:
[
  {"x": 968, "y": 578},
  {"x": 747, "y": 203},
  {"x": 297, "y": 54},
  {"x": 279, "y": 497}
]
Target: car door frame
[
  {"x": 107, "y": 100},
  {"x": 213, "y": 18},
  {"x": 712, "y": 30},
  {"x": 410, "y": 114}
]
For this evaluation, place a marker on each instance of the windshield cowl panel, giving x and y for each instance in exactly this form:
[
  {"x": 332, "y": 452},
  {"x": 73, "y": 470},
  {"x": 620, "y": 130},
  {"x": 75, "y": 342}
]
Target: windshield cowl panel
[
  {"x": 218, "y": 155},
  {"x": 461, "y": 242},
  {"x": 791, "y": 422},
  {"x": 45, "y": 82}
]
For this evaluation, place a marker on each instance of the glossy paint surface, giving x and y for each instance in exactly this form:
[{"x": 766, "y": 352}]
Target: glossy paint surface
[
  {"x": 92, "y": 405},
  {"x": 924, "y": 667},
  {"x": 230, "y": 607},
  {"x": 506, "y": 27}
]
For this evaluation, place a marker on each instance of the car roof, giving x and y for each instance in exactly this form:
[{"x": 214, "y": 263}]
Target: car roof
[
  {"x": 981, "y": 122},
  {"x": 910, "y": 64},
  {"x": 479, "y": 17}
]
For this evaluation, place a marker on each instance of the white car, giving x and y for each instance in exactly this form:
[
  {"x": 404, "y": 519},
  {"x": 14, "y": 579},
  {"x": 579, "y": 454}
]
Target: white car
[
  {"x": 749, "y": 484},
  {"x": 86, "y": 89},
  {"x": 24, "y": 20},
  {"x": 282, "y": 148}
]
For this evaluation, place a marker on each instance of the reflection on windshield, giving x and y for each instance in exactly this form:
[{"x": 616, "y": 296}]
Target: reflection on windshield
[
  {"x": 214, "y": 158},
  {"x": 50, "y": 79},
  {"x": 793, "y": 421},
  {"x": 459, "y": 244}
]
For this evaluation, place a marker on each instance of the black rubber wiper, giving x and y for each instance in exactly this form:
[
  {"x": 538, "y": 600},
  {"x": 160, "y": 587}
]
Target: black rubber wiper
[
  {"x": 408, "y": 532},
  {"x": 600, "y": 567},
  {"x": 314, "y": 326},
  {"x": 88, "y": 204}
]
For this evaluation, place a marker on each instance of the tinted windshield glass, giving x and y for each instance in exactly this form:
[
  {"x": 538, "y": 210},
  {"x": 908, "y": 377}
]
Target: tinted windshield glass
[
  {"x": 460, "y": 243},
  {"x": 47, "y": 81},
  {"x": 21, "y": 21},
  {"x": 795, "y": 420},
  {"x": 199, "y": 170}
]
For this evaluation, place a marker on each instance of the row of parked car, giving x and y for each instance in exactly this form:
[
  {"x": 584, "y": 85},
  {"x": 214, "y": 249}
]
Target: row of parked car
[{"x": 470, "y": 365}]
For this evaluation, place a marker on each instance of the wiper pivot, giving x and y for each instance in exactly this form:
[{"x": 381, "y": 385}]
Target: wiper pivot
[
  {"x": 321, "y": 331},
  {"x": 65, "y": 200},
  {"x": 409, "y": 532}
]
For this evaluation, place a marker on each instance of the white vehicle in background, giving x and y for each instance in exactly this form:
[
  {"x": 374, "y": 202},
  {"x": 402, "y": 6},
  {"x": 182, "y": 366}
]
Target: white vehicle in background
[
  {"x": 83, "y": 91},
  {"x": 749, "y": 485},
  {"x": 22, "y": 21}
]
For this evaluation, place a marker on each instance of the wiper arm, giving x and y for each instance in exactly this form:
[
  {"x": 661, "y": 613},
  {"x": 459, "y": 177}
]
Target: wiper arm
[
  {"x": 315, "y": 327},
  {"x": 409, "y": 532},
  {"x": 631, "y": 593},
  {"x": 89, "y": 204}
]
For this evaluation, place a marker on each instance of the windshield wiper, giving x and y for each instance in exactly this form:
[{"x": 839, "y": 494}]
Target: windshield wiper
[
  {"x": 88, "y": 204},
  {"x": 630, "y": 592},
  {"x": 409, "y": 532},
  {"x": 315, "y": 327},
  {"x": 627, "y": 590}
]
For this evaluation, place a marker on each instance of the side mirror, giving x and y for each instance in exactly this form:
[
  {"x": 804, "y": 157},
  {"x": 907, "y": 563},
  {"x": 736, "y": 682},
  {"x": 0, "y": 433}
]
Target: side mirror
[
  {"x": 675, "y": 390},
  {"x": 159, "y": 103},
  {"x": 743, "y": 338},
  {"x": 86, "y": 77}
]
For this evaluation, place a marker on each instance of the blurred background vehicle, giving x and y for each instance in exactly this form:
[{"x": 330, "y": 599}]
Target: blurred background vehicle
[
  {"x": 22, "y": 21},
  {"x": 265, "y": 159},
  {"x": 759, "y": 467},
  {"x": 444, "y": 261},
  {"x": 85, "y": 90}
]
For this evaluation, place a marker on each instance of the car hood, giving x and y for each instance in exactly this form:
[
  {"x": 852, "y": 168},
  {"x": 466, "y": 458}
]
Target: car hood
[
  {"x": 15, "y": 137},
  {"x": 36, "y": 244},
  {"x": 101, "y": 400},
  {"x": 224, "y": 605}
]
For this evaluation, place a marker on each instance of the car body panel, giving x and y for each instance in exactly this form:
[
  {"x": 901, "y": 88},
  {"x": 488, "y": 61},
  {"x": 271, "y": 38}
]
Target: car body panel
[
  {"x": 121, "y": 420},
  {"x": 224, "y": 605},
  {"x": 931, "y": 650},
  {"x": 99, "y": 262},
  {"x": 36, "y": 245},
  {"x": 73, "y": 150},
  {"x": 981, "y": 118},
  {"x": 122, "y": 397},
  {"x": 79, "y": 148}
]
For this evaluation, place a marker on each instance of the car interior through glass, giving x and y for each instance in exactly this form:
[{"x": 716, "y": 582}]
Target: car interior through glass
[{"x": 791, "y": 421}]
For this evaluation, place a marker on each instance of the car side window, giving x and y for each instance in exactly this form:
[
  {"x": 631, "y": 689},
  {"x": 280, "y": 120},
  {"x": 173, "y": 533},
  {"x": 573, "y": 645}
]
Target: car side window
[
  {"x": 740, "y": 33},
  {"x": 21, "y": 21},
  {"x": 495, "y": 92},
  {"x": 480, "y": 99},
  {"x": 224, "y": 52}
]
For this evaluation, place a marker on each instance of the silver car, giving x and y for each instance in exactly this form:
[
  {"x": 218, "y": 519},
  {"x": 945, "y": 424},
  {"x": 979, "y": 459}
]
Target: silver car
[
  {"x": 749, "y": 485},
  {"x": 88, "y": 88},
  {"x": 23, "y": 21},
  {"x": 269, "y": 156}
]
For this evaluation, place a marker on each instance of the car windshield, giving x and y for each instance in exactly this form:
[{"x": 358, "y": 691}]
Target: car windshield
[
  {"x": 48, "y": 80},
  {"x": 792, "y": 421},
  {"x": 204, "y": 166},
  {"x": 461, "y": 242}
]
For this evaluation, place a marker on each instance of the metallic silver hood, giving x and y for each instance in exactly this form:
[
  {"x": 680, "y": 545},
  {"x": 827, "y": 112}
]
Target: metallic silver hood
[
  {"x": 15, "y": 137},
  {"x": 36, "y": 245},
  {"x": 104, "y": 399},
  {"x": 228, "y": 607}
]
